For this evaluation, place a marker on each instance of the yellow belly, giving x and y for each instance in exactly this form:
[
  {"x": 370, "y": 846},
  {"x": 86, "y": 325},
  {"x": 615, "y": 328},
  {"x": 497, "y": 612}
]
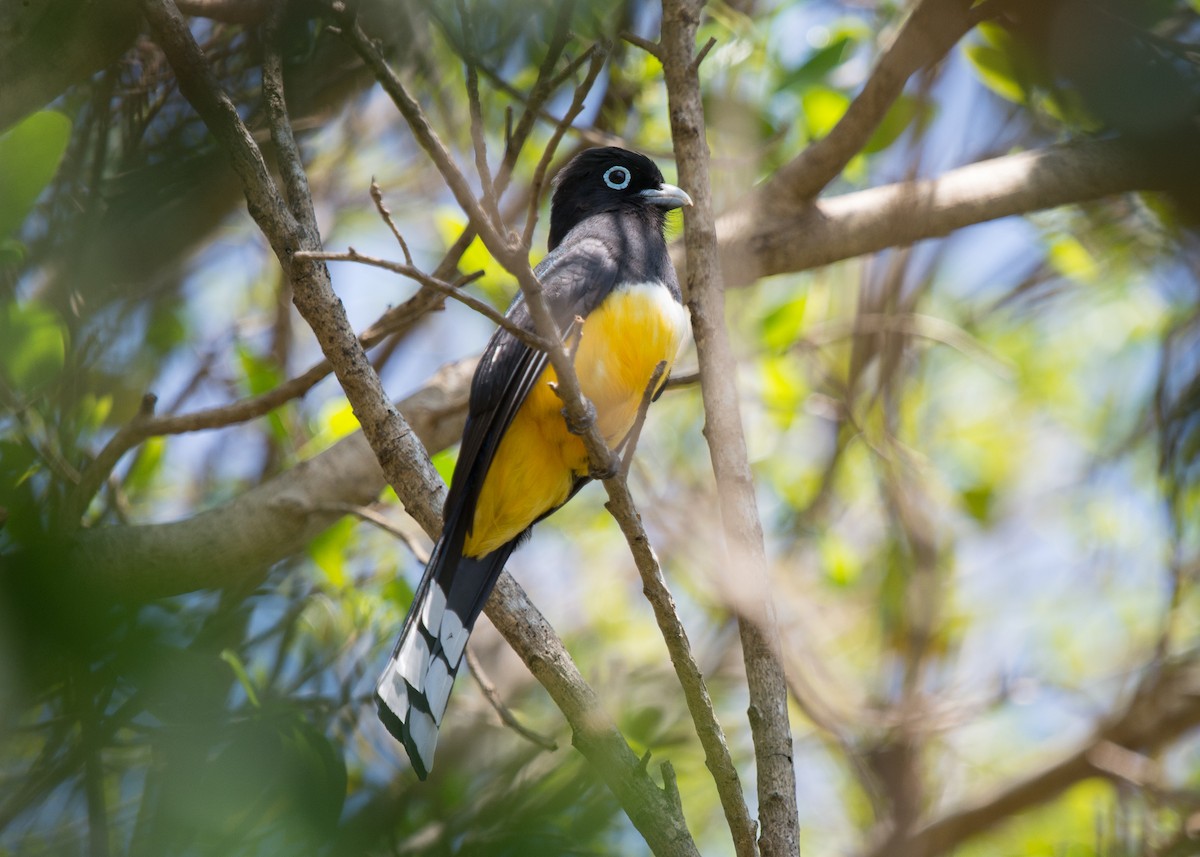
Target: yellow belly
[{"x": 539, "y": 460}]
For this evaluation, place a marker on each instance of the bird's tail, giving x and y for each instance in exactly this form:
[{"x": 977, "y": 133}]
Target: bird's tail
[{"x": 415, "y": 686}]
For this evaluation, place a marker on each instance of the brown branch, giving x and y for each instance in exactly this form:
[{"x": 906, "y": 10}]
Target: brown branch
[
  {"x": 145, "y": 425},
  {"x": 505, "y": 713},
  {"x": 759, "y": 243},
  {"x": 234, "y": 544},
  {"x": 475, "y": 107},
  {"x": 708, "y": 729},
  {"x": 629, "y": 443},
  {"x": 598, "y": 58},
  {"x": 1165, "y": 706},
  {"x": 778, "y": 816},
  {"x": 482, "y": 307},
  {"x": 926, "y": 35},
  {"x": 377, "y": 197}
]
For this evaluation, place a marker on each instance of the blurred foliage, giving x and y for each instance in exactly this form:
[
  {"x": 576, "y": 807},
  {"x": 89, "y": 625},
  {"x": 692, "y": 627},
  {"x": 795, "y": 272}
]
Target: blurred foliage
[{"x": 978, "y": 459}]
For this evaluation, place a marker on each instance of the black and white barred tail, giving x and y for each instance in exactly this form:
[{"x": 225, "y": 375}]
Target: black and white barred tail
[{"x": 415, "y": 686}]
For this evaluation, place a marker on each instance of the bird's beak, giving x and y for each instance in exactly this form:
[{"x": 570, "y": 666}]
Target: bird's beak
[{"x": 666, "y": 196}]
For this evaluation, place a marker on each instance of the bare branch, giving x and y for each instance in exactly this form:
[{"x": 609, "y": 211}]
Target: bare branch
[
  {"x": 598, "y": 58},
  {"x": 925, "y": 36},
  {"x": 351, "y": 255},
  {"x": 234, "y": 544},
  {"x": 475, "y": 106},
  {"x": 778, "y": 816},
  {"x": 629, "y": 444},
  {"x": 377, "y": 196},
  {"x": 289, "y": 227},
  {"x": 652, "y": 48},
  {"x": 145, "y": 425},
  {"x": 758, "y": 243},
  {"x": 506, "y": 716},
  {"x": 1166, "y": 705}
]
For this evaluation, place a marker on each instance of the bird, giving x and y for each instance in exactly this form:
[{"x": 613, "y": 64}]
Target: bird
[{"x": 614, "y": 294}]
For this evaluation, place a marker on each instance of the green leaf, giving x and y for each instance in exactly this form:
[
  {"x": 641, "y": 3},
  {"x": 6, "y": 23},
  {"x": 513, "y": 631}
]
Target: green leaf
[
  {"x": 842, "y": 565},
  {"x": 33, "y": 347},
  {"x": 1072, "y": 260},
  {"x": 823, "y": 107},
  {"x": 29, "y": 156},
  {"x": 146, "y": 465},
  {"x": 262, "y": 376},
  {"x": 444, "y": 461},
  {"x": 783, "y": 387},
  {"x": 897, "y": 119},
  {"x": 780, "y": 328},
  {"x": 819, "y": 64},
  {"x": 330, "y": 549},
  {"x": 996, "y": 71},
  {"x": 230, "y": 657}
]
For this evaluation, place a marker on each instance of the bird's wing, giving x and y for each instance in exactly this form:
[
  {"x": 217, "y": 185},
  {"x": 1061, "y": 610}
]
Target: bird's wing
[{"x": 575, "y": 278}]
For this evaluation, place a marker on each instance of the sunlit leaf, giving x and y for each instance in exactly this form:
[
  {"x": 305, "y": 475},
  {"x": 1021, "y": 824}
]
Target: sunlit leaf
[
  {"x": 1072, "y": 260},
  {"x": 820, "y": 63},
  {"x": 840, "y": 563},
  {"x": 496, "y": 283},
  {"x": 337, "y": 418},
  {"x": 996, "y": 71},
  {"x": 33, "y": 345},
  {"x": 330, "y": 551},
  {"x": 781, "y": 326},
  {"x": 444, "y": 462},
  {"x": 894, "y": 123},
  {"x": 230, "y": 657},
  {"x": 30, "y": 153},
  {"x": 146, "y": 465},
  {"x": 823, "y": 107}
]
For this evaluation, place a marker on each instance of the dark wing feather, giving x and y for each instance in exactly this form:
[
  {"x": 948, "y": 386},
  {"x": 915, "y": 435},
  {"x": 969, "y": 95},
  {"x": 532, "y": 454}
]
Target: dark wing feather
[{"x": 575, "y": 278}]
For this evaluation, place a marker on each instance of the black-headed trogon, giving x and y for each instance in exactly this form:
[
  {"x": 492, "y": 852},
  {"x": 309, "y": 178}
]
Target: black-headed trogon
[{"x": 608, "y": 264}]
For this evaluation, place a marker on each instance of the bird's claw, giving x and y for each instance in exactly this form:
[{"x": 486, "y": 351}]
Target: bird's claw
[
  {"x": 610, "y": 469},
  {"x": 580, "y": 427}
]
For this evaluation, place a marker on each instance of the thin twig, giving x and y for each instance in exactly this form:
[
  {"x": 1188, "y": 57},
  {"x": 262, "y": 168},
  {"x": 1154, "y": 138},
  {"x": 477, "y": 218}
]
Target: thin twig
[
  {"x": 598, "y": 58},
  {"x": 375, "y": 519},
  {"x": 652, "y": 48},
  {"x": 574, "y": 65},
  {"x": 447, "y": 289},
  {"x": 506, "y": 716},
  {"x": 702, "y": 53},
  {"x": 478, "y": 141},
  {"x": 144, "y": 425},
  {"x": 377, "y": 196},
  {"x": 629, "y": 444},
  {"x": 539, "y": 94},
  {"x": 685, "y": 379}
]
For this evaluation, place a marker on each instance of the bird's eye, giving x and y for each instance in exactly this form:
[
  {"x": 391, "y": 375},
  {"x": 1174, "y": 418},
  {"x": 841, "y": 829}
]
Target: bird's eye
[{"x": 617, "y": 178}]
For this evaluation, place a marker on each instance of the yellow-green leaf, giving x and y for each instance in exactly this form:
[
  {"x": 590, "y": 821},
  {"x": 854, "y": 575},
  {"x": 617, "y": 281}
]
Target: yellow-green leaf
[
  {"x": 29, "y": 156},
  {"x": 823, "y": 107}
]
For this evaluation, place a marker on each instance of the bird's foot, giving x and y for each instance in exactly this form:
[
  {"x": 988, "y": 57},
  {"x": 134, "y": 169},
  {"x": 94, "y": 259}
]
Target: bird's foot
[
  {"x": 610, "y": 469},
  {"x": 580, "y": 427}
]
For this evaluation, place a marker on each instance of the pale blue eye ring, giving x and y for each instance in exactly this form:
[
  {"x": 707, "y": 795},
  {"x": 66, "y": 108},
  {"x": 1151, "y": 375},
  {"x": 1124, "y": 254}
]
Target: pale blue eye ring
[{"x": 617, "y": 178}]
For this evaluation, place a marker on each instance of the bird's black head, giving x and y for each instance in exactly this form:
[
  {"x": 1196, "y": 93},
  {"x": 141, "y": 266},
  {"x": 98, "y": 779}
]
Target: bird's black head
[{"x": 609, "y": 179}]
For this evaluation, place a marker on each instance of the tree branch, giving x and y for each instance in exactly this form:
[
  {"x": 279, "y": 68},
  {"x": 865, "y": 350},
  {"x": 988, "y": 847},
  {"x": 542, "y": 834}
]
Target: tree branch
[
  {"x": 233, "y": 545},
  {"x": 933, "y": 28},
  {"x": 1165, "y": 705},
  {"x": 778, "y": 816},
  {"x": 757, "y": 243}
]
